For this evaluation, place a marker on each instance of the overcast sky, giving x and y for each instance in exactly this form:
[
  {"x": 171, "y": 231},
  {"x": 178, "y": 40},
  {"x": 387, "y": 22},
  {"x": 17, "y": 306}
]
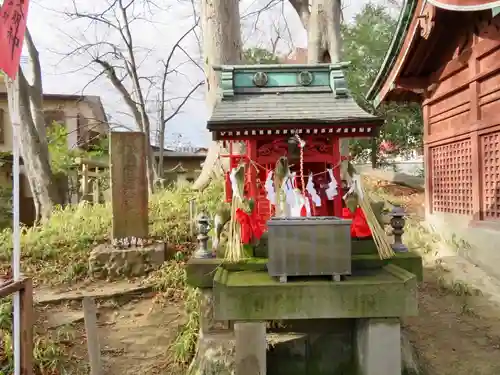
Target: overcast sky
[{"x": 56, "y": 35}]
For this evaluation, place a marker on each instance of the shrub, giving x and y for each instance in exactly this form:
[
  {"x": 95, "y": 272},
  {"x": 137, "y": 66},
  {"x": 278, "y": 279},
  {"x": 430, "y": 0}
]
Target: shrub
[{"x": 57, "y": 251}]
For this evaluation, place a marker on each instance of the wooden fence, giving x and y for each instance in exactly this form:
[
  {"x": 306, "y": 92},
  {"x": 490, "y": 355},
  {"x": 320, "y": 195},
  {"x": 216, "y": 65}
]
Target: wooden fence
[{"x": 25, "y": 289}]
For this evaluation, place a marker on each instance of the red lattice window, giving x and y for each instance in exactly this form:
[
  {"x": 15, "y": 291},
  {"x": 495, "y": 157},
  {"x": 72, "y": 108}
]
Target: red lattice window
[
  {"x": 490, "y": 148},
  {"x": 452, "y": 178}
]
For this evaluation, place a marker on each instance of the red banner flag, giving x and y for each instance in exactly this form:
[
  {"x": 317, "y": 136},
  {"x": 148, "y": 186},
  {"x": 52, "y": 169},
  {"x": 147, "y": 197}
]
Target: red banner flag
[{"x": 13, "y": 16}]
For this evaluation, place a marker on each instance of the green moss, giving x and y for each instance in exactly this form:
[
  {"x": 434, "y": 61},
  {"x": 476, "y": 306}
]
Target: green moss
[
  {"x": 250, "y": 295},
  {"x": 250, "y": 264},
  {"x": 200, "y": 272},
  {"x": 410, "y": 261},
  {"x": 363, "y": 247}
]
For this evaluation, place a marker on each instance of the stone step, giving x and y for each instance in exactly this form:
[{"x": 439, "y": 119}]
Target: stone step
[{"x": 100, "y": 291}]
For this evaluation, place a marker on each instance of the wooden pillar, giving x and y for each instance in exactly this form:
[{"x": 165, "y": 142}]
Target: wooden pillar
[
  {"x": 475, "y": 116},
  {"x": 427, "y": 161},
  {"x": 91, "y": 330},
  {"x": 477, "y": 196},
  {"x": 252, "y": 155},
  {"x": 337, "y": 203},
  {"x": 84, "y": 182},
  {"x": 27, "y": 320}
]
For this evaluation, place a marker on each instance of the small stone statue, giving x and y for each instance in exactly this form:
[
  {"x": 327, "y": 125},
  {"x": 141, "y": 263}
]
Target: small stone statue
[
  {"x": 203, "y": 229},
  {"x": 398, "y": 223}
]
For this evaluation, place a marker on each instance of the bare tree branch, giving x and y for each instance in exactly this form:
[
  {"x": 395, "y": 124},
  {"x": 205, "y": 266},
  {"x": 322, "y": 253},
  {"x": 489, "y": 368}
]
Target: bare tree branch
[
  {"x": 117, "y": 83},
  {"x": 121, "y": 62},
  {"x": 184, "y": 101},
  {"x": 163, "y": 120}
]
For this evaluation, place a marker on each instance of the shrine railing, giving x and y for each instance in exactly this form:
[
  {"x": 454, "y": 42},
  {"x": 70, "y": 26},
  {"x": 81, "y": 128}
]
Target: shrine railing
[{"x": 25, "y": 289}]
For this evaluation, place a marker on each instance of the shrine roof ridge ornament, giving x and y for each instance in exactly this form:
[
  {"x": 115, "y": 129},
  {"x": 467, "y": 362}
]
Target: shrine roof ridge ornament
[{"x": 279, "y": 78}]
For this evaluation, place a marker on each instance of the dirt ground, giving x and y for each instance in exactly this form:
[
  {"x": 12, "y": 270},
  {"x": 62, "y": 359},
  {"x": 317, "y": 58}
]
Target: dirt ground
[
  {"x": 454, "y": 335},
  {"x": 135, "y": 334},
  {"x": 137, "y": 338},
  {"x": 457, "y": 331}
]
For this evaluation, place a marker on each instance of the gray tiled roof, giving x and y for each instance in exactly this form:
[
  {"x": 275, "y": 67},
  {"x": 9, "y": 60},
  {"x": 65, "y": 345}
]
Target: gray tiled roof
[{"x": 283, "y": 107}]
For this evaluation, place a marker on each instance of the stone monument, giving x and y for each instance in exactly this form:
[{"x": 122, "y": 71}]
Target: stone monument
[
  {"x": 129, "y": 186},
  {"x": 131, "y": 252}
]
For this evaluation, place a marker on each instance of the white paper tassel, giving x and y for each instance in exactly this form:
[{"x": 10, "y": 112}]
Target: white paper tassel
[
  {"x": 308, "y": 207},
  {"x": 269, "y": 186},
  {"x": 356, "y": 179},
  {"x": 312, "y": 191},
  {"x": 355, "y": 187},
  {"x": 299, "y": 202},
  {"x": 234, "y": 183},
  {"x": 287, "y": 188},
  {"x": 331, "y": 191}
]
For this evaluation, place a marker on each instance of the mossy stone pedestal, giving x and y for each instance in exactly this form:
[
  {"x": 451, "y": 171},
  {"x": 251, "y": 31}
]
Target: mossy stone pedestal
[{"x": 365, "y": 308}]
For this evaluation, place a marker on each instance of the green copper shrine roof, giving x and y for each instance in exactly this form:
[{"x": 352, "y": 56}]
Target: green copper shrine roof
[{"x": 281, "y": 94}]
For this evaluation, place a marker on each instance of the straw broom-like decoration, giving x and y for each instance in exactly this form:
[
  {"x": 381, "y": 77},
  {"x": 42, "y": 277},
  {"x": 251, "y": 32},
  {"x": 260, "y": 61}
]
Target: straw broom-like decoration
[
  {"x": 281, "y": 170},
  {"x": 234, "y": 249},
  {"x": 378, "y": 233}
]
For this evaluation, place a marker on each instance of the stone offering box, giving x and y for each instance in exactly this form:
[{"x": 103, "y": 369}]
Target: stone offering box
[{"x": 309, "y": 246}]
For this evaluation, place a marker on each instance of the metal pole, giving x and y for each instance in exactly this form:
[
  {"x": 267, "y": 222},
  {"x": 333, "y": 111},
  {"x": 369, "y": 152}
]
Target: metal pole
[{"x": 16, "y": 237}]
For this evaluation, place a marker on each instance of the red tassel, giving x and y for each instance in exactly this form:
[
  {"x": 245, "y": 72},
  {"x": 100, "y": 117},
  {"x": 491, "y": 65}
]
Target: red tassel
[
  {"x": 228, "y": 189},
  {"x": 251, "y": 227},
  {"x": 359, "y": 226},
  {"x": 256, "y": 225},
  {"x": 246, "y": 227},
  {"x": 303, "y": 211}
]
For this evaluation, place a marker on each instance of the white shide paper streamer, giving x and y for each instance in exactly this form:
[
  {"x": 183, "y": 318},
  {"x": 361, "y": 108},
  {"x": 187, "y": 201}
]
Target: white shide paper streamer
[
  {"x": 269, "y": 186},
  {"x": 312, "y": 191},
  {"x": 331, "y": 190}
]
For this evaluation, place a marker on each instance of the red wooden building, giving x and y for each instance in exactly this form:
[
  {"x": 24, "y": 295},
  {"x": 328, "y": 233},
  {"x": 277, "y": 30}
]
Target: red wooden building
[{"x": 446, "y": 55}]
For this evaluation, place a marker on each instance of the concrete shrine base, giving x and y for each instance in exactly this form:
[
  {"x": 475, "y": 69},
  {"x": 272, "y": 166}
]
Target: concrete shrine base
[{"x": 251, "y": 324}]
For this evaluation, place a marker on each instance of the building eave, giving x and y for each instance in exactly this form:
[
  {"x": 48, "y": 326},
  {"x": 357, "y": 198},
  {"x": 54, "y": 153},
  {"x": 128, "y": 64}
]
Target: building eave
[
  {"x": 471, "y": 6},
  {"x": 93, "y": 101},
  {"x": 406, "y": 36},
  {"x": 97, "y": 108},
  {"x": 405, "y": 20}
]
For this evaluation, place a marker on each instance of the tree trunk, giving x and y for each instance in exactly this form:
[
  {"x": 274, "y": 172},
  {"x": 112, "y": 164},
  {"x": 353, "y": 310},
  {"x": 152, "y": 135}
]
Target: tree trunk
[
  {"x": 36, "y": 98},
  {"x": 34, "y": 152},
  {"x": 324, "y": 40},
  {"x": 161, "y": 145},
  {"x": 325, "y": 43},
  {"x": 221, "y": 45}
]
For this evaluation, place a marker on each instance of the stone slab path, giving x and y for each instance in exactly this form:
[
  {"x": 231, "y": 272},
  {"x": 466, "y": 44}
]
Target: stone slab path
[{"x": 98, "y": 290}]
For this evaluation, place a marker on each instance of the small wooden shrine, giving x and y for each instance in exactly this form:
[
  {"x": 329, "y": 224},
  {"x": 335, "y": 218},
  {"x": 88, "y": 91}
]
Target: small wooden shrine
[{"x": 295, "y": 111}]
